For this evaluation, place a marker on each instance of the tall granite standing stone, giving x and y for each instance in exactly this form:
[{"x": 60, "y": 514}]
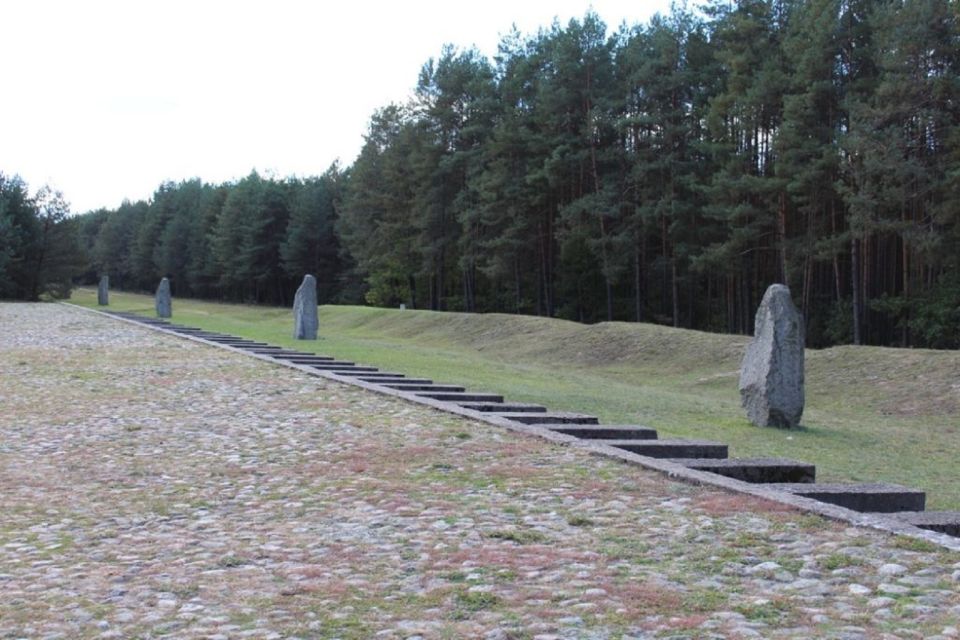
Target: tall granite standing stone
[
  {"x": 163, "y": 303},
  {"x": 305, "y": 321},
  {"x": 771, "y": 376},
  {"x": 103, "y": 291}
]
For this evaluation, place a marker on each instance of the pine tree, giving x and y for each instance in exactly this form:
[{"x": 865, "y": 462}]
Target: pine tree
[
  {"x": 311, "y": 245},
  {"x": 19, "y": 233}
]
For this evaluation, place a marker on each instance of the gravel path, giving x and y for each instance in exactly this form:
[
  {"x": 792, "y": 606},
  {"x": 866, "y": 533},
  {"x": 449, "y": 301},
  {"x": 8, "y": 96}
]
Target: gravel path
[{"x": 152, "y": 487}]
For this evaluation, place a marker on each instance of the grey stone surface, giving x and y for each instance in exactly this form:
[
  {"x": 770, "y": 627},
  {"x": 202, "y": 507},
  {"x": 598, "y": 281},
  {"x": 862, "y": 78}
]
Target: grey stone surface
[
  {"x": 103, "y": 291},
  {"x": 305, "y": 321},
  {"x": 771, "y": 375},
  {"x": 163, "y": 303}
]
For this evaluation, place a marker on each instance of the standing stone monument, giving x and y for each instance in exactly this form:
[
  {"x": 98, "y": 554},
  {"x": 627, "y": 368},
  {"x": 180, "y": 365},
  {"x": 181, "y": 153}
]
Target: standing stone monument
[
  {"x": 103, "y": 291},
  {"x": 771, "y": 376},
  {"x": 305, "y": 321},
  {"x": 163, "y": 303}
]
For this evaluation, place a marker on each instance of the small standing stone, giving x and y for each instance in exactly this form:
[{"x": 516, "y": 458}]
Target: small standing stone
[
  {"x": 163, "y": 303},
  {"x": 305, "y": 321},
  {"x": 771, "y": 376},
  {"x": 103, "y": 289}
]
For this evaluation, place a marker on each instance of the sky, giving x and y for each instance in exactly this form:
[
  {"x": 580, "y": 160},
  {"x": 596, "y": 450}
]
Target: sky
[{"x": 104, "y": 100}]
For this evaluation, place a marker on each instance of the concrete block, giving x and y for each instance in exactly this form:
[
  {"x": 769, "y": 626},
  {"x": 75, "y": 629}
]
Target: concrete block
[
  {"x": 867, "y": 497},
  {"x": 671, "y": 448},
  {"x": 757, "y": 470},
  {"x": 550, "y": 417},
  {"x": 423, "y": 387},
  {"x": 445, "y": 396},
  {"x": 500, "y": 407},
  {"x": 605, "y": 431},
  {"x": 391, "y": 381},
  {"x": 947, "y": 522}
]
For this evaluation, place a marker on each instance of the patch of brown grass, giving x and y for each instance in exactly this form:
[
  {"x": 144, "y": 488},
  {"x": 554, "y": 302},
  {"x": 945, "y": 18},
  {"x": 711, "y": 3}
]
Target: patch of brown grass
[
  {"x": 642, "y": 599},
  {"x": 722, "y": 504}
]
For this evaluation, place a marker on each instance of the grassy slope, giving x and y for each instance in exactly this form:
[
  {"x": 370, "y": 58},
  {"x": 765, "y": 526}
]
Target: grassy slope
[{"x": 872, "y": 413}]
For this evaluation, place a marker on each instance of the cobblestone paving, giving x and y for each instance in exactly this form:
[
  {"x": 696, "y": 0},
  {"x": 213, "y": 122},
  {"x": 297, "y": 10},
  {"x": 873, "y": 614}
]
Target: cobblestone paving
[{"x": 155, "y": 488}]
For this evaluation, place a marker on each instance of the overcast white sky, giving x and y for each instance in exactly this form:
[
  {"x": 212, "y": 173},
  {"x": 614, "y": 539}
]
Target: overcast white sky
[{"x": 104, "y": 100}]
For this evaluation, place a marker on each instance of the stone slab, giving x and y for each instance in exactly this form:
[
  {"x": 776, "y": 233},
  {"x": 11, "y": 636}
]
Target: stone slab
[
  {"x": 285, "y": 354},
  {"x": 772, "y": 371},
  {"x": 500, "y": 407},
  {"x": 756, "y": 470},
  {"x": 276, "y": 352},
  {"x": 340, "y": 368},
  {"x": 422, "y": 387},
  {"x": 305, "y": 320},
  {"x": 864, "y": 497},
  {"x": 330, "y": 364},
  {"x": 670, "y": 448},
  {"x": 550, "y": 417},
  {"x": 382, "y": 374},
  {"x": 163, "y": 302},
  {"x": 947, "y": 522},
  {"x": 103, "y": 291},
  {"x": 444, "y": 396},
  {"x": 392, "y": 381},
  {"x": 605, "y": 431},
  {"x": 347, "y": 372}
]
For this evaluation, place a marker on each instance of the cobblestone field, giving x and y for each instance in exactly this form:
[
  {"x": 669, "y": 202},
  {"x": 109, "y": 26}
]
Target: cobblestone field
[{"x": 151, "y": 487}]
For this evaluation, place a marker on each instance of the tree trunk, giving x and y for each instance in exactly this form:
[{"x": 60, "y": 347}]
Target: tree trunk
[
  {"x": 675, "y": 292},
  {"x": 782, "y": 237},
  {"x": 441, "y": 280},
  {"x": 609, "y": 299},
  {"x": 516, "y": 277},
  {"x": 855, "y": 281},
  {"x": 548, "y": 270},
  {"x": 637, "y": 284}
]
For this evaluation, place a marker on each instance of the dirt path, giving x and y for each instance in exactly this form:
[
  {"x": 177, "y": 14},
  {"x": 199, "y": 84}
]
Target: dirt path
[{"x": 152, "y": 487}]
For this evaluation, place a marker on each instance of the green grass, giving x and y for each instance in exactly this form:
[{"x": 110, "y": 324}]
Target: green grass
[
  {"x": 840, "y": 561},
  {"x": 872, "y": 414},
  {"x": 524, "y": 536}
]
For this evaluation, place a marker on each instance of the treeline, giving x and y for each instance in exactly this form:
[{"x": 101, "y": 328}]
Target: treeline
[
  {"x": 246, "y": 241},
  {"x": 668, "y": 172},
  {"x": 39, "y": 252}
]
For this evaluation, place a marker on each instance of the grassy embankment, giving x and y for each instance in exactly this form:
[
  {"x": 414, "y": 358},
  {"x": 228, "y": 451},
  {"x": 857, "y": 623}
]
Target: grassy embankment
[{"x": 872, "y": 413}]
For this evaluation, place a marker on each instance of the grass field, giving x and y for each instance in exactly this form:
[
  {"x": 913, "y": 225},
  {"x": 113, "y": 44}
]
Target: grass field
[{"x": 872, "y": 414}]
